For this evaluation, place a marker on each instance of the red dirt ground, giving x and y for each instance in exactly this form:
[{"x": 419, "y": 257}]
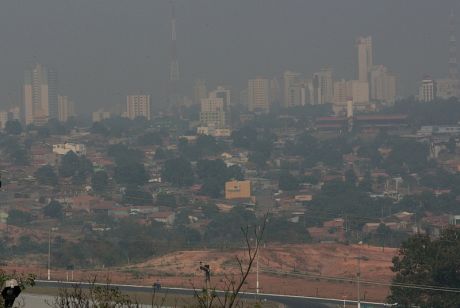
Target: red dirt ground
[{"x": 307, "y": 270}]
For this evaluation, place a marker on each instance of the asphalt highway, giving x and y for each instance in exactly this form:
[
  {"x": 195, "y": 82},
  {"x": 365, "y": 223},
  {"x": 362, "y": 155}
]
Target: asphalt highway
[{"x": 286, "y": 300}]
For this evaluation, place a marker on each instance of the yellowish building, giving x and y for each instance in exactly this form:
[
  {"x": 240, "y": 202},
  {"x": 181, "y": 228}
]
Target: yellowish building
[{"x": 237, "y": 190}]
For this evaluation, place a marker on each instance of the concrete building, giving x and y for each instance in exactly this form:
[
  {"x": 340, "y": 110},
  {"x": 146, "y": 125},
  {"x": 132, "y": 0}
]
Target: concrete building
[
  {"x": 40, "y": 95},
  {"x": 199, "y": 91},
  {"x": 237, "y": 190},
  {"x": 100, "y": 115},
  {"x": 64, "y": 148},
  {"x": 427, "y": 90},
  {"x": 323, "y": 87},
  {"x": 359, "y": 91},
  {"x": 138, "y": 106},
  {"x": 224, "y": 93},
  {"x": 356, "y": 90},
  {"x": 66, "y": 108},
  {"x": 341, "y": 93},
  {"x": 291, "y": 89},
  {"x": 447, "y": 88},
  {"x": 365, "y": 57},
  {"x": 382, "y": 85},
  {"x": 3, "y": 119},
  {"x": 259, "y": 94},
  {"x": 213, "y": 113}
]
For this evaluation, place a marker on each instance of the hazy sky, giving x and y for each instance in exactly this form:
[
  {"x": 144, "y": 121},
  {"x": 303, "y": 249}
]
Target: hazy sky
[{"x": 106, "y": 49}]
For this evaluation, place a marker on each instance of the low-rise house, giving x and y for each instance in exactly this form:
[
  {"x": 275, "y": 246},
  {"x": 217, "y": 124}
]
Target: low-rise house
[{"x": 164, "y": 217}]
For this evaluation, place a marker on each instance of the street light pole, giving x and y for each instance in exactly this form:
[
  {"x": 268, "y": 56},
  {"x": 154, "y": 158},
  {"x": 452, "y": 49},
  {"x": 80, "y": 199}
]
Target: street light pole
[
  {"x": 257, "y": 273},
  {"x": 359, "y": 274},
  {"x": 49, "y": 254}
]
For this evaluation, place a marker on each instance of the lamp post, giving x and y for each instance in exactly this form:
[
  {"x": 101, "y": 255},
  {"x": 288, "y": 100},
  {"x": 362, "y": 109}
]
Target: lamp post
[
  {"x": 49, "y": 254},
  {"x": 49, "y": 251}
]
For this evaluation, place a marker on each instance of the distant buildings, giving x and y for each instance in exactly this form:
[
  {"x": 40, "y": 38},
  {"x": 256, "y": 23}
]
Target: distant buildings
[
  {"x": 66, "y": 108},
  {"x": 199, "y": 91},
  {"x": 356, "y": 90},
  {"x": 322, "y": 87},
  {"x": 138, "y": 106},
  {"x": 3, "y": 119},
  {"x": 9, "y": 115},
  {"x": 427, "y": 90},
  {"x": 237, "y": 190},
  {"x": 365, "y": 57},
  {"x": 382, "y": 85},
  {"x": 259, "y": 98},
  {"x": 447, "y": 88},
  {"x": 213, "y": 113},
  {"x": 40, "y": 95},
  {"x": 64, "y": 148},
  {"x": 291, "y": 89},
  {"x": 100, "y": 115}
]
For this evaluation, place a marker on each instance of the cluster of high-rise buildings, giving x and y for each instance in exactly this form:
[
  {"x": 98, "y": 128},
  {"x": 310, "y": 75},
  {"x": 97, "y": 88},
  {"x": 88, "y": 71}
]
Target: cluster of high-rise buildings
[
  {"x": 41, "y": 99},
  {"x": 444, "y": 88},
  {"x": 374, "y": 85}
]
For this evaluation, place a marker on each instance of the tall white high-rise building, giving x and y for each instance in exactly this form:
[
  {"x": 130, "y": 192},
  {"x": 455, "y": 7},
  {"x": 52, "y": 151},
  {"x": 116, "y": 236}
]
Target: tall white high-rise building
[
  {"x": 382, "y": 85},
  {"x": 259, "y": 94},
  {"x": 66, "y": 108},
  {"x": 40, "y": 95},
  {"x": 138, "y": 106},
  {"x": 365, "y": 57},
  {"x": 213, "y": 113},
  {"x": 427, "y": 91},
  {"x": 291, "y": 89}
]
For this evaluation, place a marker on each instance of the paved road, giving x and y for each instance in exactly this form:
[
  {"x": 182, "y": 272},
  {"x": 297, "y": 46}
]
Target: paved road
[{"x": 288, "y": 301}]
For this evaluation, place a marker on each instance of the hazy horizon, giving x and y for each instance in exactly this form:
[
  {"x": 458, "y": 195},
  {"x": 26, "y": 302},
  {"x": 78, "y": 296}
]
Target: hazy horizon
[{"x": 104, "y": 50}]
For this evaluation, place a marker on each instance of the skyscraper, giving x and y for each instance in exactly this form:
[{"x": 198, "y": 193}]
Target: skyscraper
[
  {"x": 199, "y": 91},
  {"x": 66, "y": 108},
  {"x": 382, "y": 85},
  {"x": 450, "y": 86},
  {"x": 365, "y": 57},
  {"x": 323, "y": 87},
  {"x": 259, "y": 94},
  {"x": 138, "y": 106},
  {"x": 291, "y": 89},
  {"x": 40, "y": 95}
]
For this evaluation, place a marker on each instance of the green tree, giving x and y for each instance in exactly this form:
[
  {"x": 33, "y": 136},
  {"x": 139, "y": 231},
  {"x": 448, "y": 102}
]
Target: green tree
[
  {"x": 137, "y": 197},
  {"x": 288, "y": 182},
  {"x": 13, "y": 127},
  {"x": 166, "y": 199},
  {"x": 131, "y": 174},
  {"x": 99, "y": 181},
  {"x": 54, "y": 210},
  {"x": 429, "y": 262},
  {"x": 46, "y": 176},
  {"x": 18, "y": 218},
  {"x": 70, "y": 163},
  {"x": 178, "y": 171}
]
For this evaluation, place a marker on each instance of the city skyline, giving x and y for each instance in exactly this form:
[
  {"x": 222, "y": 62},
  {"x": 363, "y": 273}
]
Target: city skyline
[{"x": 116, "y": 82}]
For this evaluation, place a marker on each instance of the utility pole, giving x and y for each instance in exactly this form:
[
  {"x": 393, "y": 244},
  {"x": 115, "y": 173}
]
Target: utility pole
[
  {"x": 207, "y": 280},
  {"x": 359, "y": 274}
]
